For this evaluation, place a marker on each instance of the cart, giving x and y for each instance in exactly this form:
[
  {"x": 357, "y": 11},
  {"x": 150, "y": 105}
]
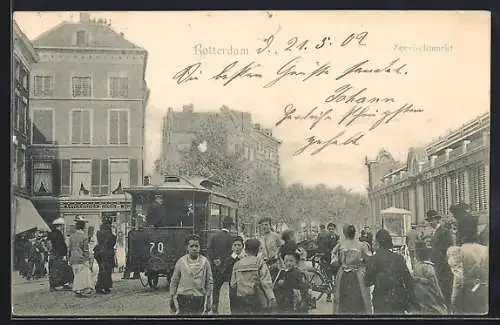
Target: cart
[{"x": 398, "y": 223}]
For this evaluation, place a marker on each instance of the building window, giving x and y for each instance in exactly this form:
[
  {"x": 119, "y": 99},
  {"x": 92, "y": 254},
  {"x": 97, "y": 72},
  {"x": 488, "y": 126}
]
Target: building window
[
  {"x": 406, "y": 200},
  {"x": 81, "y": 38},
  {"x": 81, "y": 86},
  {"x": 23, "y": 77},
  {"x": 442, "y": 199},
  {"x": 119, "y": 172},
  {"x": 118, "y": 87},
  {"x": 43, "y": 126},
  {"x": 22, "y": 111},
  {"x": 15, "y": 111},
  {"x": 397, "y": 200},
  {"x": 14, "y": 167},
  {"x": 457, "y": 181},
  {"x": 42, "y": 177},
  {"x": 81, "y": 126},
  {"x": 43, "y": 86},
  {"x": 428, "y": 196},
  {"x": 100, "y": 177},
  {"x": 21, "y": 168},
  {"x": 118, "y": 126},
  {"x": 17, "y": 68},
  {"x": 477, "y": 187},
  {"x": 80, "y": 177}
]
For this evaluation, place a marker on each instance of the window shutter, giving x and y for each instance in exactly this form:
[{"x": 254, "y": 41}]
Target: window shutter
[
  {"x": 104, "y": 176},
  {"x": 65, "y": 176},
  {"x": 56, "y": 173},
  {"x": 96, "y": 175},
  {"x": 134, "y": 171}
]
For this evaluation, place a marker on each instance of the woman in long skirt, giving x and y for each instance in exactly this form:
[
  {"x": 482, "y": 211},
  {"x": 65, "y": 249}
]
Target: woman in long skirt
[
  {"x": 105, "y": 257},
  {"x": 79, "y": 259},
  {"x": 351, "y": 295}
]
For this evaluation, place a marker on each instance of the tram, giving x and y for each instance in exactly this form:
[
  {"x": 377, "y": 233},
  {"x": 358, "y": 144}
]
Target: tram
[
  {"x": 398, "y": 223},
  {"x": 192, "y": 205}
]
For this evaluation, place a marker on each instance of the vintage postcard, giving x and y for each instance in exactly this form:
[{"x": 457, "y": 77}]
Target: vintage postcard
[{"x": 250, "y": 163}]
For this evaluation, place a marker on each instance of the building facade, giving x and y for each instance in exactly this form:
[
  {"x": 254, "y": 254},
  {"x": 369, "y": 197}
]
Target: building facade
[
  {"x": 24, "y": 56},
  {"x": 254, "y": 143},
  {"x": 89, "y": 99},
  {"x": 453, "y": 169}
]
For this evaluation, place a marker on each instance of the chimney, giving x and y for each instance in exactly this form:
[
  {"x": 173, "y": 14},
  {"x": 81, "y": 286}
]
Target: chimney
[
  {"x": 84, "y": 17},
  {"x": 187, "y": 108}
]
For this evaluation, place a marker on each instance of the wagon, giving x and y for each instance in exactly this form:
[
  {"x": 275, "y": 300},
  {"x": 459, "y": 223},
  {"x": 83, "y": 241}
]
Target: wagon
[
  {"x": 193, "y": 205},
  {"x": 398, "y": 223}
]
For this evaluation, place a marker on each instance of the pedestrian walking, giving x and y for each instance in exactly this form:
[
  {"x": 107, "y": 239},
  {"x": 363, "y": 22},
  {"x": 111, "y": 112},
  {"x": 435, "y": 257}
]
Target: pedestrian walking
[
  {"x": 289, "y": 241},
  {"x": 470, "y": 266},
  {"x": 351, "y": 295},
  {"x": 411, "y": 240},
  {"x": 441, "y": 240},
  {"x": 291, "y": 287},
  {"x": 191, "y": 284},
  {"x": 79, "y": 259},
  {"x": 219, "y": 250},
  {"x": 270, "y": 245},
  {"x": 429, "y": 299},
  {"x": 393, "y": 291},
  {"x": 226, "y": 291},
  {"x": 252, "y": 280},
  {"x": 60, "y": 273},
  {"x": 104, "y": 253}
]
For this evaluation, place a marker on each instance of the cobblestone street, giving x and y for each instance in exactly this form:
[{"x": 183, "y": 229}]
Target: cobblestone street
[{"x": 128, "y": 298}]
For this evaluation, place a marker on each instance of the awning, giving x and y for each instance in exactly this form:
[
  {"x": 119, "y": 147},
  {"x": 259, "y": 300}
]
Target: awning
[
  {"x": 27, "y": 217},
  {"x": 393, "y": 210}
]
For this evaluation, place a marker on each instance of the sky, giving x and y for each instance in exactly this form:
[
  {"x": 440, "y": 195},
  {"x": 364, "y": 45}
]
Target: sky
[{"x": 445, "y": 74}]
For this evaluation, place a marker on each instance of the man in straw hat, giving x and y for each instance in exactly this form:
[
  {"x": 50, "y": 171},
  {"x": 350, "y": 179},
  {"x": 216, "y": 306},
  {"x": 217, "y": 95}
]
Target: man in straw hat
[
  {"x": 442, "y": 239},
  {"x": 60, "y": 274}
]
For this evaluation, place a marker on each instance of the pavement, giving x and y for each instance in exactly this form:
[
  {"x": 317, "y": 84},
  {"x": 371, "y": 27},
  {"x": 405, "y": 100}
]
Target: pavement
[{"x": 128, "y": 298}]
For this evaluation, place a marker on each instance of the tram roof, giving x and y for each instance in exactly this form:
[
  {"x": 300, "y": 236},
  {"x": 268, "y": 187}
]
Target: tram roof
[{"x": 160, "y": 183}]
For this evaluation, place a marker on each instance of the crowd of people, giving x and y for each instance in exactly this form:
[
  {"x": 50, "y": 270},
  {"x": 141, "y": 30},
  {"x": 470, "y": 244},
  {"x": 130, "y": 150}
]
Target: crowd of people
[{"x": 447, "y": 273}]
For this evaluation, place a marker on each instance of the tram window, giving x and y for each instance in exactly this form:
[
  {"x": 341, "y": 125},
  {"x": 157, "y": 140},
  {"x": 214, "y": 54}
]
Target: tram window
[{"x": 215, "y": 216}]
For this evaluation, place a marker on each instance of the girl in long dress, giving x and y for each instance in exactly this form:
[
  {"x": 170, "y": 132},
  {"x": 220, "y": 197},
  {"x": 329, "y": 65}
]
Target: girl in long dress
[
  {"x": 79, "y": 260},
  {"x": 351, "y": 296},
  {"x": 429, "y": 299}
]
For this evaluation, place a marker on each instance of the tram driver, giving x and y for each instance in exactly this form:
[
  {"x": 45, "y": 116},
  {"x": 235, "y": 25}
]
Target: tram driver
[{"x": 157, "y": 215}]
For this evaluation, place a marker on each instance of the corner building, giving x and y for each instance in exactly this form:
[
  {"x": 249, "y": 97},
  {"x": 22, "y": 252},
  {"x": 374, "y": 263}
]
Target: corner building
[
  {"x": 88, "y": 98},
  {"x": 452, "y": 169}
]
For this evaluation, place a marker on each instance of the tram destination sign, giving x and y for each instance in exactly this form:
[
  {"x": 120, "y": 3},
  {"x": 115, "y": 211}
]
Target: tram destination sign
[{"x": 95, "y": 205}]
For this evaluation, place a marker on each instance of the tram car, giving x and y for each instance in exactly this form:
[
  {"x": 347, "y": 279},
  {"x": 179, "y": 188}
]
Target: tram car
[
  {"x": 186, "y": 205},
  {"x": 398, "y": 223}
]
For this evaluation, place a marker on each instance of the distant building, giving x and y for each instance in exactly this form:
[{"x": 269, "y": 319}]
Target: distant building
[
  {"x": 255, "y": 143},
  {"x": 453, "y": 169},
  {"x": 88, "y": 99}
]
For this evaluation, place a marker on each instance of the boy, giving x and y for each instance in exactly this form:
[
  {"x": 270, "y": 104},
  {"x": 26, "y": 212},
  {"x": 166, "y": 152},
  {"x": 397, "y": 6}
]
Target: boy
[
  {"x": 291, "y": 286},
  {"x": 252, "y": 282},
  {"x": 191, "y": 284},
  {"x": 237, "y": 254}
]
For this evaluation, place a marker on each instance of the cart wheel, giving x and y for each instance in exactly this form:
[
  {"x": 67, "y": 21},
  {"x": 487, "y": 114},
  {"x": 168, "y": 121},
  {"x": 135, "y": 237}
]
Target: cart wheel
[
  {"x": 144, "y": 279},
  {"x": 318, "y": 284},
  {"x": 153, "y": 281}
]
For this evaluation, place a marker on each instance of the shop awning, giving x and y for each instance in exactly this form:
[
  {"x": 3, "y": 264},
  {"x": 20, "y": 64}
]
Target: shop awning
[{"x": 27, "y": 217}]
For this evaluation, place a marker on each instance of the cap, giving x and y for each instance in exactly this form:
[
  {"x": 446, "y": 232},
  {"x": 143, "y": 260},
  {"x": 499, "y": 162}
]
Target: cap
[
  {"x": 80, "y": 218},
  {"x": 58, "y": 221}
]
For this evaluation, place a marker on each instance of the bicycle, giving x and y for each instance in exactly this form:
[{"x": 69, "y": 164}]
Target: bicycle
[{"x": 318, "y": 278}]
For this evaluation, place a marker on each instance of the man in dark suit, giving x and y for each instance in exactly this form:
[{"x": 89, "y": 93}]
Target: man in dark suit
[
  {"x": 219, "y": 250},
  {"x": 156, "y": 213},
  {"x": 441, "y": 240}
]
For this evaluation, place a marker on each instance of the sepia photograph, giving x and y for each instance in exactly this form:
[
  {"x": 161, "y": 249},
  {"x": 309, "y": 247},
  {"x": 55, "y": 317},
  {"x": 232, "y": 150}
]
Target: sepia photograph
[{"x": 225, "y": 163}]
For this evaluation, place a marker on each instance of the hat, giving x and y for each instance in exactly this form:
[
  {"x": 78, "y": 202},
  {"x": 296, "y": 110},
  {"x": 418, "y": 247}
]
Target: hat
[
  {"x": 158, "y": 195},
  {"x": 431, "y": 215},
  {"x": 80, "y": 218},
  {"x": 228, "y": 221},
  {"x": 58, "y": 221}
]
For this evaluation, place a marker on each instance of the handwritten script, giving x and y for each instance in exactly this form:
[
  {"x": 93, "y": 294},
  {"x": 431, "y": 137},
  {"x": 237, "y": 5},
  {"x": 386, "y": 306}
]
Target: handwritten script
[{"x": 351, "y": 111}]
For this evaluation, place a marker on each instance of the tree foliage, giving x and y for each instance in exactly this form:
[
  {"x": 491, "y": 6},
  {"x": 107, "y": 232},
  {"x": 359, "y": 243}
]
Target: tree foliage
[{"x": 257, "y": 192}]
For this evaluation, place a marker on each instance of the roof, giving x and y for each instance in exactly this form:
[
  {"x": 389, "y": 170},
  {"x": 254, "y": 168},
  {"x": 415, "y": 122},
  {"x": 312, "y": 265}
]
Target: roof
[
  {"x": 393, "y": 210},
  {"x": 101, "y": 36},
  {"x": 24, "y": 42}
]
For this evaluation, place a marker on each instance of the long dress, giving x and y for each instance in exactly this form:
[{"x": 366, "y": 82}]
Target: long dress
[
  {"x": 351, "y": 296},
  {"x": 429, "y": 297},
  {"x": 79, "y": 260}
]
